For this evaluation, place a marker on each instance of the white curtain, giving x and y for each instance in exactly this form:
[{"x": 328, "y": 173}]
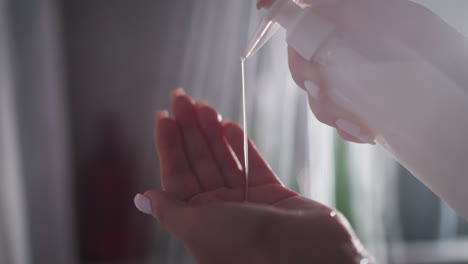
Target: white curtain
[
  {"x": 13, "y": 242},
  {"x": 35, "y": 204}
]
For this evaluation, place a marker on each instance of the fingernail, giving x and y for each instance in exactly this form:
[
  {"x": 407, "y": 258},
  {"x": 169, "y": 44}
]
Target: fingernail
[
  {"x": 142, "y": 203},
  {"x": 312, "y": 89},
  {"x": 162, "y": 114},
  {"x": 178, "y": 92},
  {"x": 201, "y": 104},
  {"x": 366, "y": 138},
  {"x": 354, "y": 130}
]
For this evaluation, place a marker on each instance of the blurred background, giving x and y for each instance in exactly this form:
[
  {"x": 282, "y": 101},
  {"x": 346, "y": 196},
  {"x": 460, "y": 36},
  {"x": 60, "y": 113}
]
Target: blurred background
[{"x": 80, "y": 82}]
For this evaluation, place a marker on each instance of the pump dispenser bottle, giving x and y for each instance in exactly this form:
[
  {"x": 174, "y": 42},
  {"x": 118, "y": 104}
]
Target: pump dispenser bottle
[{"x": 416, "y": 108}]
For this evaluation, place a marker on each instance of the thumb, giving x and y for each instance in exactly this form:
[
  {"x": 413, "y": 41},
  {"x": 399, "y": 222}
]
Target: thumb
[{"x": 169, "y": 211}]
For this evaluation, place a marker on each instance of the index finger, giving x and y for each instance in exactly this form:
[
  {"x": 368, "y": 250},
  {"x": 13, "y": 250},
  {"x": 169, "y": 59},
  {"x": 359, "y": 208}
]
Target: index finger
[
  {"x": 262, "y": 173},
  {"x": 176, "y": 174}
]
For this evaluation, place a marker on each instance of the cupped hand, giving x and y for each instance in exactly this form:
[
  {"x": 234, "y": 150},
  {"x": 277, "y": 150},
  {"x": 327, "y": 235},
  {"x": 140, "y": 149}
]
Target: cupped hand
[{"x": 203, "y": 198}]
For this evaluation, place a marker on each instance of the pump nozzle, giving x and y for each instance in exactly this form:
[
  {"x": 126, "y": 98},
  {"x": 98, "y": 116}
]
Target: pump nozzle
[{"x": 265, "y": 30}]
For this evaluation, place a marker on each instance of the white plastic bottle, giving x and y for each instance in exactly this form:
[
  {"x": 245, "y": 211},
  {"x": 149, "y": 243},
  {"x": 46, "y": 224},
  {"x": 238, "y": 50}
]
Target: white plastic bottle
[{"x": 418, "y": 111}]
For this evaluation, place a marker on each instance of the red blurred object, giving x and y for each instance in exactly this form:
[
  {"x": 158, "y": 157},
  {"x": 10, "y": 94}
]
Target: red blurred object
[{"x": 108, "y": 227}]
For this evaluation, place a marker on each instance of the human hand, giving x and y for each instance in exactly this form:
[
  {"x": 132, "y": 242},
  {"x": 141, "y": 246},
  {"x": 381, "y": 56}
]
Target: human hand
[
  {"x": 202, "y": 201},
  {"x": 368, "y": 21}
]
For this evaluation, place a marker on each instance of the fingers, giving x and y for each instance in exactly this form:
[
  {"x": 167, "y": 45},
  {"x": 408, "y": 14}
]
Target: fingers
[
  {"x": 176, "y": 173},
  {"x": 197, "y": 150},
  {"x": 210, "y": 124},
  {"x": 307, "y": 75},
  {"x": 262, "y": 173},
  {"x": 302, "y": 70}
]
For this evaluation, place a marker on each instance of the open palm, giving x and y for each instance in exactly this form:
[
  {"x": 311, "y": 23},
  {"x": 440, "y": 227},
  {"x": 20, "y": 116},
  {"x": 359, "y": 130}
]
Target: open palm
[
  {"x": 203, "y": 198},
  {"x": 200, "y": 158}
]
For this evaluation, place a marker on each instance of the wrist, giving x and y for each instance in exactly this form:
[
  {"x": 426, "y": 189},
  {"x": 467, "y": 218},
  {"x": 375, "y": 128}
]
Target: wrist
[{"x": 303, "y": 239}]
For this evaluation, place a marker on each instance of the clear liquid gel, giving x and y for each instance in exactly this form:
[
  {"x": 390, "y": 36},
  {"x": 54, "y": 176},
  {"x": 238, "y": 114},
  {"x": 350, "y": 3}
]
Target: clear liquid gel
[{"x": 246, "y": 136}]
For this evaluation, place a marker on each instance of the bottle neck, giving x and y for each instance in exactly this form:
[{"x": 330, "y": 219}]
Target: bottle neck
[{"x": 286, "y": 13}]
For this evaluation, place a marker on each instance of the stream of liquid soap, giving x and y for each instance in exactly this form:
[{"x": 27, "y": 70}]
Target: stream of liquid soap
[{"x": 246, "y": 137}]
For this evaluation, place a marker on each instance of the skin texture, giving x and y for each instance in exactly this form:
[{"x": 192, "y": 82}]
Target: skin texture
[{"x": 202, "y": 201}]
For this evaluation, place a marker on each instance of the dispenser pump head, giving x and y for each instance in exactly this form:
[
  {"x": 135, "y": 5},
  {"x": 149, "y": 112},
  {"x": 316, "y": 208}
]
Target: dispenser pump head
[
  {"x": 281, "y": 9},
  {"x": 306, "y": 31}
]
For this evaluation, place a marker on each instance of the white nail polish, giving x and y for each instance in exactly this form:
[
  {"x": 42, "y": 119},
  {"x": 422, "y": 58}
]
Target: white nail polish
[
  {"x": 143, "y": 204},
  {"x": 366, "y": 138},
  {"x": 312, "y": 89}
]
